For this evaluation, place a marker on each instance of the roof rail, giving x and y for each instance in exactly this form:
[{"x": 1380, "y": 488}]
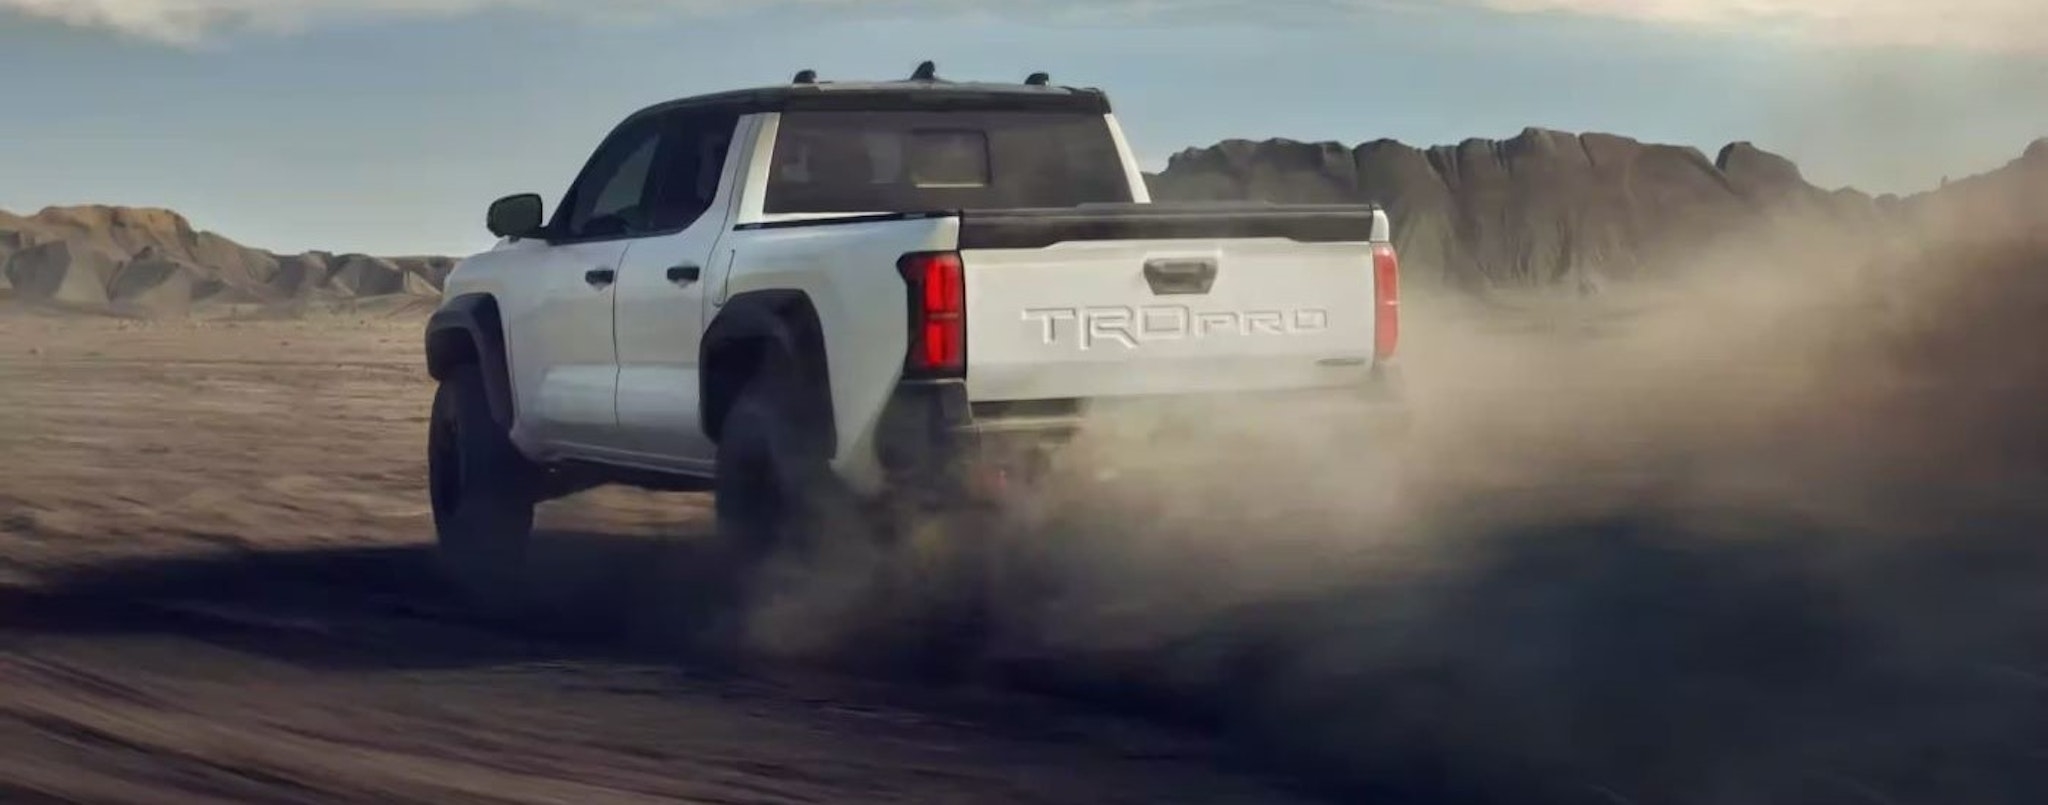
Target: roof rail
[{"x": 927, "y": 71}]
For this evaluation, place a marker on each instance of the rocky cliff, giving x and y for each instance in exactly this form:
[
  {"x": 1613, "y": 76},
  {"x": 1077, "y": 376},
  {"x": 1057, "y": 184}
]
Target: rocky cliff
[
  {"x": 1546, "y": 208},
  {"x": 151, "y": 262},
  {"x": 1541, "y": 209}
]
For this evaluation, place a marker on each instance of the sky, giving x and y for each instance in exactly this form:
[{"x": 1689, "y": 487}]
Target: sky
[{"x": 387, "y": 126}]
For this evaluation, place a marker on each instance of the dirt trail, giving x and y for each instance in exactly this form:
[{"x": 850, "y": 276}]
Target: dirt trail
[
  {"x": 1768, "y": 535},
  {"x": 215, "y": 586}
]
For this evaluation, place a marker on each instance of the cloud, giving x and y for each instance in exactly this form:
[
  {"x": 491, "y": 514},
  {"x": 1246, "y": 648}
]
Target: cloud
[
  {"x": 191, "y": 21},
  {"x": 2011, "y": 26}
]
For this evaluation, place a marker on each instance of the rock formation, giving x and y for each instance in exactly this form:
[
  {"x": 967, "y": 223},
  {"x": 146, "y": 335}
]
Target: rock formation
[
  {"x": 1541, "y": 209},
  {"x": 156, "y": 284},
  {"x": 152, "y": 262},
  {"x": 63, "y": 273},
  {"x": 1546, "y": 208}
]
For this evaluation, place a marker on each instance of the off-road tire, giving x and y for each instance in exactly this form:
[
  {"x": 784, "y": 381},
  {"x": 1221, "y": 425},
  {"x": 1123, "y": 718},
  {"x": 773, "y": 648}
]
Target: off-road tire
[
  {"x": 483, "y": 492},
  {"x": 774, "y": 485}
]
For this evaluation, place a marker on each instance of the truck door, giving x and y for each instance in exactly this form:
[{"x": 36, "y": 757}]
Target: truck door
[
  {"x": 565, "y": 344},
  {"x": 663, "y": 291}
]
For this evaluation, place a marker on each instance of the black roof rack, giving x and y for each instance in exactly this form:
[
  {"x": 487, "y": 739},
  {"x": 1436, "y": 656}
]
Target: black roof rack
[
  {"x": 923, "y": 90},
  {"x": 927, "y": 71}
]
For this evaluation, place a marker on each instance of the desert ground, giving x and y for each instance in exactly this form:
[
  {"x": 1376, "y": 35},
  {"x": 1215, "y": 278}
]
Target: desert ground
[
  {"x": 1764, "y": 536},
  {"x": 218, "y": 587}
]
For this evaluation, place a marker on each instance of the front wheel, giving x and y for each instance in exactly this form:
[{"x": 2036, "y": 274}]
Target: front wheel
[{"x": 483, "y": 494}]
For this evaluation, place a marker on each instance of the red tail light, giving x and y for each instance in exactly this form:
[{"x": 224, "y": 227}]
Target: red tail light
[
  {"x": 938, "y": 314},
  {"x": 1386, "y": 301}
]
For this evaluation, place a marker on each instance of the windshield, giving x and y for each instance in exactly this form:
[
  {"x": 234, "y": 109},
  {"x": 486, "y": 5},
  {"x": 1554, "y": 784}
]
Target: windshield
[{"x": 840, "y": 162}]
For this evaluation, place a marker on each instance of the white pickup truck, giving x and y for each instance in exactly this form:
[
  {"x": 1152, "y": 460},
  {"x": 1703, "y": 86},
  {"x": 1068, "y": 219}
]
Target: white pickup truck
[{"x": 864, "y": 291}]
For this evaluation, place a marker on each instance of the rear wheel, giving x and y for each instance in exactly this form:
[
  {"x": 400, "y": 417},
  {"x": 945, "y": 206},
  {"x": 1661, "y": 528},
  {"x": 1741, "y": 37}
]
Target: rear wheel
[
  {"x": 483, "y": 493},
  {"x": 774, "y": 485},
  {"x": 905, "y": 581}
]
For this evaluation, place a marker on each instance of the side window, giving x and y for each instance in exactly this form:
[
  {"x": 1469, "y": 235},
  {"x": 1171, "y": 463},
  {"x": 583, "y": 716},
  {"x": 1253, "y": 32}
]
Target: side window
[
  {"x": 624, "y": 194},
  {"x": 693, "y": 153},
  {"x": 611, "y": 198}
]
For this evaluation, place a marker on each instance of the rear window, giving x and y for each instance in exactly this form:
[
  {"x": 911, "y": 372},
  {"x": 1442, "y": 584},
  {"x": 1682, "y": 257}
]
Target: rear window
[{"x": 840, "y": 162}]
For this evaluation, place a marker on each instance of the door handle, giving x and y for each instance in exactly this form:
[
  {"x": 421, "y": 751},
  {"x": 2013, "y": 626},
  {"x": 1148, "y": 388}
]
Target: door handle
[
  {"x": 600, "y": 277},
  {"x": 684, "y": 274}
]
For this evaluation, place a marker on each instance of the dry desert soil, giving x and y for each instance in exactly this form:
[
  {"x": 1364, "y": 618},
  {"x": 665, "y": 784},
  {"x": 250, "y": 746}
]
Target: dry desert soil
[{"x": 216, "y": 585}]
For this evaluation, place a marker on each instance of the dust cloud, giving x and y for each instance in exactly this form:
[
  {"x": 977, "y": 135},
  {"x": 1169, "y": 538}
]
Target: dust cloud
[{"x": 1767, "y": 532}]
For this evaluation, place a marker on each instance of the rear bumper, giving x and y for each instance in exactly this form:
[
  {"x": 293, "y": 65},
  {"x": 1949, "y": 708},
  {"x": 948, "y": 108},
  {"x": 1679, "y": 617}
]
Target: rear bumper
[{"x": 932, "y": 442}]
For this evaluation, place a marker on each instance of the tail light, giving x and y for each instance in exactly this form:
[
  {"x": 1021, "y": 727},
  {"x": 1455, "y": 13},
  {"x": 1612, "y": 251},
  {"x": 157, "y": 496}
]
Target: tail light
[
  {"x": 1386, "y": 301},
  {"x": 938, "y": 314}
]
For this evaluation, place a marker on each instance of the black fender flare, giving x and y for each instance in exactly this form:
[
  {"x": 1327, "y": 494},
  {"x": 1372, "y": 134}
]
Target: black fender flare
[
  {"x": 467, "y": 329},
  {"x": 749, "y": 329}
]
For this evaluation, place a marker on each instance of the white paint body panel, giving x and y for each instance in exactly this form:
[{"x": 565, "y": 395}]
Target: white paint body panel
[
  {"x": 1079, "y": 319},
  {"x": 611, "y": 374},
  {"x": 849, "y": 273},
  {"x": 659, "y": 328},
  {"x": 558, "y": 338}
]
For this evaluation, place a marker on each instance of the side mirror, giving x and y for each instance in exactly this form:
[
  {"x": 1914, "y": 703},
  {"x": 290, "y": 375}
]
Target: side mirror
[{"x": 515, "y": 216}]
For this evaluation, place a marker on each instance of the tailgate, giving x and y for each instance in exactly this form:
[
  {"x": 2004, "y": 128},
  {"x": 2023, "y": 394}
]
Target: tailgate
[{"x": 1130, "y": 300}]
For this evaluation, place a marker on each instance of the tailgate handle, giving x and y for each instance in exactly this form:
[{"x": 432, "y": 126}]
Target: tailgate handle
[{"x": 1180, "y": 275}]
